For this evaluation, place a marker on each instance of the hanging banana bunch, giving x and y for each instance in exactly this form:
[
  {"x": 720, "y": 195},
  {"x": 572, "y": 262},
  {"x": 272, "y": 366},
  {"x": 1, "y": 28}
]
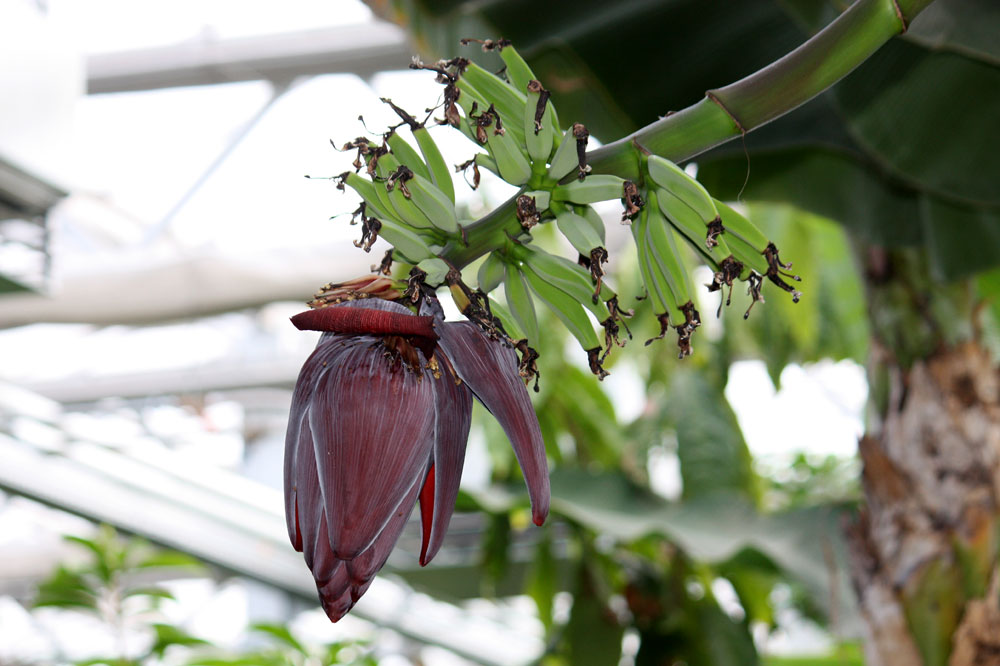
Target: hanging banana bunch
[{"x": 408, "y": 198}]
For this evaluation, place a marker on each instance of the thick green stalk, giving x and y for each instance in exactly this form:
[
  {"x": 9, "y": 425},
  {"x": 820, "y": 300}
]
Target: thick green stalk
[{"x": 731, "y": 111}]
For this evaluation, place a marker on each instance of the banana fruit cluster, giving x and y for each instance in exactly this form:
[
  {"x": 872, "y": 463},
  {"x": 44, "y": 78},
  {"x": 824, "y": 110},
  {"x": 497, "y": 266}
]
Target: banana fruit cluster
[{"x": 409, "y": 199}]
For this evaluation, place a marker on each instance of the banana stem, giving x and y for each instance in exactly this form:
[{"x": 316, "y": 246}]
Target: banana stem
[{"x": 732, "y": 111}]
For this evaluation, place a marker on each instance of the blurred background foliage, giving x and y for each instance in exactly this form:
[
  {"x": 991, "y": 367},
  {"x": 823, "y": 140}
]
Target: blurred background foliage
[{"x": 124, "y": 582}]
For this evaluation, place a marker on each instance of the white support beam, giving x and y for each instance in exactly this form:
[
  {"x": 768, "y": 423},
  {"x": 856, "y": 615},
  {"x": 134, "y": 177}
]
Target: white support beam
[
  {"x": 214, "y": 518},
  {"x": 363, "y": 49}
]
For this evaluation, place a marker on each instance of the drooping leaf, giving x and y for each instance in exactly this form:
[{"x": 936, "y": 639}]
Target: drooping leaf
[
  {"x": 167, "y": 635},
  {"x": 593, "y": 634},
  {"x": 279, "y": 632},
  {"x": 714, "y": 458},
  {"x": 543, "y": 580},
  {"x": 66, "y": 588}
]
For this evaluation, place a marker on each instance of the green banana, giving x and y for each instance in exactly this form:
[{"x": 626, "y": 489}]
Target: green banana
[
  {"x": 666, "y": 254},
  {"x": 673, "y": 179},
  {"x": 569, "y": 277},
  {"x": 744, "y": 239},
  {"x": 377, "y": 206},
  {"x": 542, "y": 199},
  {"x": 569, "y": 310},
  {"x": 436, "y": 270},
  {"x": 662, "y": 282},
  {"x": 690, "y": 224},
  {"x": 567, "y": 156},
  {"x": 513, "y": 166},
  {"x": 406, "y": 154},
  {"x": 507, "y": 101},
  {"x": 600, "y": 187},
  {"x": 538, "y": 134},
  {"x": 520, "y": 75},
  {"x": 506, "y": 151},
  {"x": 406, "y": 242},
  {"x": 433, "y": 203},
  {"x": 519, "y": 300},
  {"x": 653, "y": 290},
  {"x": 437, "y": 168},
  {"x": 594, "y": 219},
  {"x": 510, "y": 325},
  {"x": 485, "y": 161},
  {"x": 387, "y": 169},
  {"x": 578, "y": 232},
  {"x": 491, "y": 272}
]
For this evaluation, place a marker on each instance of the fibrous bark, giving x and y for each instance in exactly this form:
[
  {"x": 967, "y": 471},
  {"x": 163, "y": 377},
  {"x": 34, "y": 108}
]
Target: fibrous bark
[{"x": 924, "y": 550}]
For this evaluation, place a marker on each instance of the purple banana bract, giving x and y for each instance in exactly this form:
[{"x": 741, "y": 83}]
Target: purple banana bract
[{"x": 379, "y": 422}]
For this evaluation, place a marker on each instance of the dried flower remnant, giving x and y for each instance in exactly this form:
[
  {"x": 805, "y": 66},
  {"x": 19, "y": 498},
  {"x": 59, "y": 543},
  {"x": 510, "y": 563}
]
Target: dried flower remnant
[{"x": 776, "y": 269}]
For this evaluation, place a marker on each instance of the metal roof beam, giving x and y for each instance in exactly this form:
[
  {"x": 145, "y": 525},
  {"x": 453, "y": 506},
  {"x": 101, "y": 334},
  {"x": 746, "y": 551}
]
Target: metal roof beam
[{"x": 363, "y": 49}]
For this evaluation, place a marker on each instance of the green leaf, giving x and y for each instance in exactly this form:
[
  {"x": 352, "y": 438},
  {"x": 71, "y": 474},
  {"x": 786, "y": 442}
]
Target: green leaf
[
  {"x": 593, "y": 635},
  {"x": 495, "y": 544},
  {"x": 170, "y": 559},
  {"x": 103, "y": 550},
  {"x": 543, "y": 580},
  {"x": 167, "y": 635},
  {"x": 279, "y": 632},
  {"x": 67, "y": 589},
  {"x": 895, "y": 103},
  {"x": 156, "y": 592},
  {"x": 713, "y": 456},
  {"x": 805, "y": 544}
]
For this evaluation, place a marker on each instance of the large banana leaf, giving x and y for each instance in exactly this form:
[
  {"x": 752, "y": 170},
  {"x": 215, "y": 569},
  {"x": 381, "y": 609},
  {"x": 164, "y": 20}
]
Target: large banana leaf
[{"x": 904, "y": 151}]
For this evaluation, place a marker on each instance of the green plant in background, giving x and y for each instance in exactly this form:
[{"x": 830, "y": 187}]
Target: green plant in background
[{"x": 116, "y": 582}]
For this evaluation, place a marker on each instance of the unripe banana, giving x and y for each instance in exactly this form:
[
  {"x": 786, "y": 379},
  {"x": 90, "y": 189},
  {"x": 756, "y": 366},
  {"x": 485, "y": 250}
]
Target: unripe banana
[
  {"x": 433, "y": 203},
  {"x": 436, "y": 269},
  {"x": 657, "y": 285},
  {"x": 387, "y": 168},
  {"x": 538, "y": 134},
  {"x": 440, "y": 175},
  {"x": 542, "y": 199},
  {"x": 569, "y": 310},
  {"x": 666, "y": 254},
  {"x": 569, "y": 277},
  {"x": 520, "y": 75},
  {"x": 405, "y": 154},
  {"x": 744, "y": 238},
  {"x": 411, "y": 247},
  {"x": 673, "y": 179},
  {"x": 485, "y": 161},
  {"x": 510, "y": 325},
  {"x": 578, "y": 232},
  {"x": 600, "y": 187},
  {"x": 377, "y": 206},
  {"x": 513, "y": 166},
  {"x": 520, "y": 302},
  {"x": 491, "y": 273},
  {"x": 645, "y": 272},
  {"x": 596, "y": 222},
  {"x": 508, "y": 101},
  {"x": 517, "y": 69},
  {"x": 737, "y": 225},
  {"x": 567, "y": 156},
  {"x": 691, "y": 225},
  {"x": 512, "y": 163}
]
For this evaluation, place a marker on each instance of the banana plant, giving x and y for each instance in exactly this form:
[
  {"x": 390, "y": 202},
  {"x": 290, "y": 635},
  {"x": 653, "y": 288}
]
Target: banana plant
[{"x": 512, "y": 121}]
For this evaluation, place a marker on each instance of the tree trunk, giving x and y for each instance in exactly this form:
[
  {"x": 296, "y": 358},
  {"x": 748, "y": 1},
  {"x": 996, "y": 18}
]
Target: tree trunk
[{"x": 924, "y": 550}]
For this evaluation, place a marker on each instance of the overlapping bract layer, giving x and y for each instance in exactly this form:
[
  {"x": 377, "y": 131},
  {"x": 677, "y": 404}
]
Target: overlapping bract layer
[{"x": 371, "y": 431}]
